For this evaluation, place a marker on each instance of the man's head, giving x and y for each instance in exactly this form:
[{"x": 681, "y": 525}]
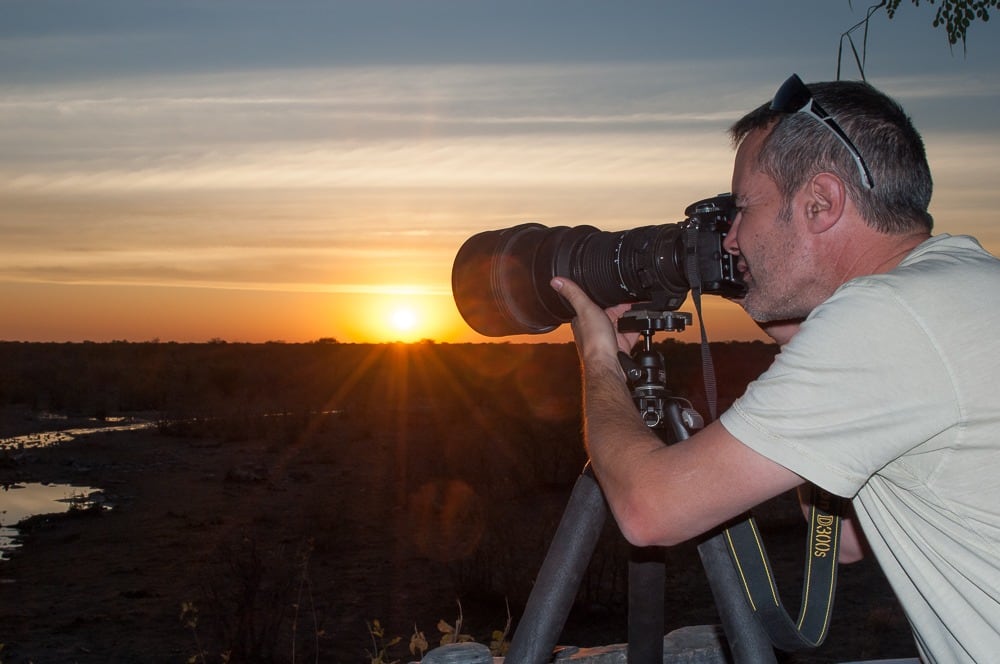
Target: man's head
[
  {"x": 812, "y": 212},
  {"x": 799, "y": 146}
]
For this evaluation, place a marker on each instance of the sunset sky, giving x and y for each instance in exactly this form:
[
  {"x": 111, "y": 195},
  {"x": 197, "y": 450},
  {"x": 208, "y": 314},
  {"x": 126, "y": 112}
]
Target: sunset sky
[{"x": 252, "y": 171}]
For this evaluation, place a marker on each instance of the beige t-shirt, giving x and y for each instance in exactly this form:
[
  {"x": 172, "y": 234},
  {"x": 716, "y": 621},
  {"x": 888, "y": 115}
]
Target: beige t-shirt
[{"x": 890, "y": 395}]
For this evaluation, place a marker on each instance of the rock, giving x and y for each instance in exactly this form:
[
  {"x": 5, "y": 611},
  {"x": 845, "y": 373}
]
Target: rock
[
  {"x": 459, "y": 653},
  {"x": 698, "y": 644}
]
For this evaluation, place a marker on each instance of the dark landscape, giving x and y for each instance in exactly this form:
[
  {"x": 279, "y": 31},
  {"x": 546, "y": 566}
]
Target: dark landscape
[{"x": 287, "y": 496}]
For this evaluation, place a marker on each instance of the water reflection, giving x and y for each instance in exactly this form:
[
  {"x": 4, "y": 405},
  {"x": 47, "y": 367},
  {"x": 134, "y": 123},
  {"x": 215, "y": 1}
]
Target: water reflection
[
  {"x": 46, "y": 438},
  {"x": 20, "y": 501}
]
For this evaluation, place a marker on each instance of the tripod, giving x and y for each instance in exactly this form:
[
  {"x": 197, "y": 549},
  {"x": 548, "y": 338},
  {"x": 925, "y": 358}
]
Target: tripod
[{"x": 583, "y": 519}]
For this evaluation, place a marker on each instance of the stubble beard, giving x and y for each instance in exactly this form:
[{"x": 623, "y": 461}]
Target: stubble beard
[
  {"x": 764, "y": 315},
  {"x": 771, "y": 295},
  {"x": 765, "y": 302}
]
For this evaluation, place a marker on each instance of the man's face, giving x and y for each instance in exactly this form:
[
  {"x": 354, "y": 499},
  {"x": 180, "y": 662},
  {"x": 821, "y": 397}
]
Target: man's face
[{"x": 768, "y": 241}]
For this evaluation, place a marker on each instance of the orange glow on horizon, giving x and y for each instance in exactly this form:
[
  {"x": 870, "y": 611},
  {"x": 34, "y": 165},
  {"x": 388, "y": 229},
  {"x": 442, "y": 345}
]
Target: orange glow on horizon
[
  {"x": 411, "y": 314},
  {"x": 74, "y": 313}
]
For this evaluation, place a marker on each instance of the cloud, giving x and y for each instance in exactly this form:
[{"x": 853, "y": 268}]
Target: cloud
[
  {"x": 310, "y": 178},
  {"x": 398, "y": 127}
]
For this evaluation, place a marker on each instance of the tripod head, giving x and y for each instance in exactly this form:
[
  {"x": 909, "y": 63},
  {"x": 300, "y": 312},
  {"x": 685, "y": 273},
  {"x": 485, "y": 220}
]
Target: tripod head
[
  {"x": 646, "y": 371},
  {"x": 648, "y": 321}
]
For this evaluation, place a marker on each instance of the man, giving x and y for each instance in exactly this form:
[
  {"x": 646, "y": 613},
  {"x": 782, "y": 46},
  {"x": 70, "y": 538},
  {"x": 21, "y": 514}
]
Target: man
[{"x": 883, "y": 395}]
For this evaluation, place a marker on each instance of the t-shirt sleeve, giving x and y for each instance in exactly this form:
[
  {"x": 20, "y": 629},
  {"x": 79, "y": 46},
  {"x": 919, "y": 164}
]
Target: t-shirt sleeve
[{"x": 860, "y": 385}]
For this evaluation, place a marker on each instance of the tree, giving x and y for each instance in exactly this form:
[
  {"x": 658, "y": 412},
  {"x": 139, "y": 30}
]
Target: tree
[{"x": 955, "y": 15}]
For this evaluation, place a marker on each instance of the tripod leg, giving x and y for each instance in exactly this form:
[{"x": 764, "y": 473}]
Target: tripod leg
[
  {"x": 747, "y": 639},
  {"x": 646, "y": 583},
  {"x": 560, "y": 575},
  {"x": 748, "y": 642}
]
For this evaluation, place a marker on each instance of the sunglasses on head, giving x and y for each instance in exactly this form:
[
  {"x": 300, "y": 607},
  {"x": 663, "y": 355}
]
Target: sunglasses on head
[{"x": 794, "y": 97}]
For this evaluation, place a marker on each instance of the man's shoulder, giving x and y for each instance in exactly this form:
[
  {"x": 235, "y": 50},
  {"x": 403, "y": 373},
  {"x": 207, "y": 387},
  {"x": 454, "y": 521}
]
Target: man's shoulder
[
  {"x": 933, "y": 306},
  {"x": 960, "y": 248},
  {"x": 943, "y": 267}
]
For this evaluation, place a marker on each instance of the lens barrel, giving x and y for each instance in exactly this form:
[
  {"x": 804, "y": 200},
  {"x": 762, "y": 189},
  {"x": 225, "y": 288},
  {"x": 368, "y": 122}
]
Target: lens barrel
[{"x": 500, "y": 278}]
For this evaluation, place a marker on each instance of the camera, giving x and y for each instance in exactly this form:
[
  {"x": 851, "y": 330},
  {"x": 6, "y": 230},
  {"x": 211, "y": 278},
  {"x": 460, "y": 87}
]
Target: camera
[{"x": 500, "y": 278}]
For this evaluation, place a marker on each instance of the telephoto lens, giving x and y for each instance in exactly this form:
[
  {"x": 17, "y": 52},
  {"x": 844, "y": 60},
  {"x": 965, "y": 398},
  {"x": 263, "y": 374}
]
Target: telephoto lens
[{"x": 500, "y": 278}]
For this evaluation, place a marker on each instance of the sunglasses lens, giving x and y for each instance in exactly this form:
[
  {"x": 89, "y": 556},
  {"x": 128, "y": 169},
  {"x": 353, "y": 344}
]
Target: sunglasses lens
[{"x": 791, "y": 96}]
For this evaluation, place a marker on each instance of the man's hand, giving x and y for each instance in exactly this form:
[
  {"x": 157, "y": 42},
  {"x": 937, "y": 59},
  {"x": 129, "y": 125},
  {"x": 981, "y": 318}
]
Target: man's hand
[
  {"x": 594, "y": 329},
  {"x": 781, "y": 331}
]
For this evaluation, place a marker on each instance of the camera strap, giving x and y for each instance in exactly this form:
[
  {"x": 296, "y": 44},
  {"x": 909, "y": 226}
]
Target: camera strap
[
  {"x": 744, "y": 539},
  {"x": 754, "y": 570},
  {"x": 694, "y": 283}
]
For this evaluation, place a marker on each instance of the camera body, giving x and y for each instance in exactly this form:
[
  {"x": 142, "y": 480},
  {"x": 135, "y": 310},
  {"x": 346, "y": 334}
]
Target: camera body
[{"x": 500, "y": 279}]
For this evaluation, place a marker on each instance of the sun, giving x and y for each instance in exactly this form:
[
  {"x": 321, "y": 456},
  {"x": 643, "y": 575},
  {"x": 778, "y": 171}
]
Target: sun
[
  {"x": 403, "y": 319},
  {"x": 407, "y": 321}
]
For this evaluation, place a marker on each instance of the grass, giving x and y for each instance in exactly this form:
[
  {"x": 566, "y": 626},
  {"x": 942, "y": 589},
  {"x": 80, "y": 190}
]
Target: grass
[
  {"x": 418, "y": 645},
  {"x": 251, "y": 604}
]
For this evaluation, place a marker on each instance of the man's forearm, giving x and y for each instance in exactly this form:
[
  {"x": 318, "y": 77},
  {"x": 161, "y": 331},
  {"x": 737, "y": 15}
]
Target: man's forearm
[
  {"x": 659, "y": 494},
  {"x": 617, "y": 439}
]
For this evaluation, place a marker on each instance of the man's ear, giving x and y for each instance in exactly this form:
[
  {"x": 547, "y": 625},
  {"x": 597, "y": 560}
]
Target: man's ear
[{"x": 825, "y": 199}]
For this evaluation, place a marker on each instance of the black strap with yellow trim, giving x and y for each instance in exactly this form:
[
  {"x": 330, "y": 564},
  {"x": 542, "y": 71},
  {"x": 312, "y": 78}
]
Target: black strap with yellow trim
[{"x": 754, "y": 569}]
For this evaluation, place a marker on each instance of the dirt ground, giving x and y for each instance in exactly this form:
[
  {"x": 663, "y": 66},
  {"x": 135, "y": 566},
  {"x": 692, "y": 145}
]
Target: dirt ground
[{"x": 286, "y": 551}]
